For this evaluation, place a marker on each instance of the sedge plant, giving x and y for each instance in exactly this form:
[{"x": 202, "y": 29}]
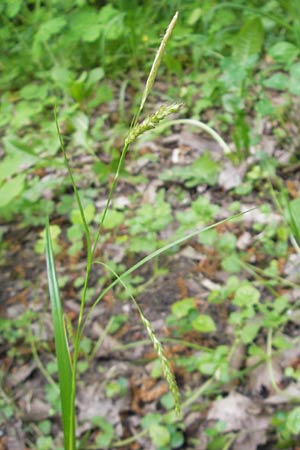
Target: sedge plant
[{"x": 67, "y": 355}]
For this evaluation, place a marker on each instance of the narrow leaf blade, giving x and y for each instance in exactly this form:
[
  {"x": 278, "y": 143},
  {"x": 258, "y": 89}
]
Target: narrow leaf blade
[{"x": 61, "y": 348}]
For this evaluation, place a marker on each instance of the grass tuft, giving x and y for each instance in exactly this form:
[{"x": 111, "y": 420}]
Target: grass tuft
[{"x": 67, "y": 367}]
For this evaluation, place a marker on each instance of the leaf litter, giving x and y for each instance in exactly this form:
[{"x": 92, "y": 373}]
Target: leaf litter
[{"x": 195, "y": 271}]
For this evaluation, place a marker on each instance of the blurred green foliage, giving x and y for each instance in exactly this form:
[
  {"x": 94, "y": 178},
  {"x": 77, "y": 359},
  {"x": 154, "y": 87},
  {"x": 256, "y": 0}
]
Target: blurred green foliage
[{"x": 80, "y": 55}]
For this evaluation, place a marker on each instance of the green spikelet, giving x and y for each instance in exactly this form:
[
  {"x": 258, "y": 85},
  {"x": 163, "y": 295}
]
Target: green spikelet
[{"x": 152, "y": 121}]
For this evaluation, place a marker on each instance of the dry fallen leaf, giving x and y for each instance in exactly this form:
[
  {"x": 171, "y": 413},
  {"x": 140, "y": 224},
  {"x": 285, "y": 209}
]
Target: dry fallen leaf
[
  {"x": 230, "y": 176},
  {"x": 91, "y": 402},
  {"x": 288, "y": 395},
  {"x": 15, "y": 436},
  {"x": 20, "y": 374},
  {"x": 261, "y": 379},
  {"x": 241, "y": 415},
  {"x": 37, "y": 410},
  {"x": 291, "y": 269}
]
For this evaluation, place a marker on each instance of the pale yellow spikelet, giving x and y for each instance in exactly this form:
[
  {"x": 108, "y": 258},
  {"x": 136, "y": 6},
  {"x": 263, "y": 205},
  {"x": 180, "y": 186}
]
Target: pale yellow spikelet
[
  {"x": 157, "y": 61},
  {"x": 165, "y": 364}
]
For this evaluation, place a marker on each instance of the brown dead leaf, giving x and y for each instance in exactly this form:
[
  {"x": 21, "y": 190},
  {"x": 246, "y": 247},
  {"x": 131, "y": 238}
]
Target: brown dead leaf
[
  {"x": 291, "y": 269},
  {"x": 234, "y": 410},
  {"x": 3, "y": 443},
  {"x": 91, "y": 402},
  {"x": 37, "y": 410},
  {"x": 260, "y": 379},
  {"x": 155, "y": 392},
  {"x": 20, "y": 374},
  {"x": 256, "y": 216},
  {"x": 291, "y": 393},
  {"x": 231, "y": 176},
  {"x": 198, "y": 143},
  {"x": 293, "y": 188},
  {"x": 241, "y": 415},
  {"x": 15, "y": 436},
  {"x": 291, "y": 356},
  {"x": 235, "y": 363},
  {"x": 181, "y": 283},
  {"x": 208, "y": 266},
  {"x": 244, "y": 241},
  {"x": 145, "y": 390}
]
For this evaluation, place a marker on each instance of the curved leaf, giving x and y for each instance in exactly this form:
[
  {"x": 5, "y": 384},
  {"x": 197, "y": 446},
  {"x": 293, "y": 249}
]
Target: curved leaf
[{"x": 61, "y": 348}]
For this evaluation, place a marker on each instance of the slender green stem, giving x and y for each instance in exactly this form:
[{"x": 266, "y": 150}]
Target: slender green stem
[
  {"x": 232, "y": 438},
  {"x": 110, "y": 195},
  {"x": 122, "y": 442},
  {"x": 40, "y": 365},
  {"x": 262, "y": 277},
  {"x": 85, "y": 286},
  {"x": 101, "y": 339},
  {"x": 130, "y": 440},
  {"x": 293, "y": 229},
  {"x": 196, "y": 394},
  {"x": 146, "y": 91},
  {"x": 269, "y": 362},
  {"x": 90, "y": 257},
  {"x": 70, "y": 173},
  {"x": 202, "y": 126},
  {"x": 78, "y": 332}
]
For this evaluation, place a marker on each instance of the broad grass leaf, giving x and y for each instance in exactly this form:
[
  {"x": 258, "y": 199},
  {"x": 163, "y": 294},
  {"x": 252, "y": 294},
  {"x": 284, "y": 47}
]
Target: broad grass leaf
[
  {"x": 61, "y": 347},
  {"x": 293, "y": 214},
  {"x": 249, "y": 41},
  {"x": 203, "y": 170},
  {"x": 113, "y": 22},
  {"x": 249, "y": 332}
]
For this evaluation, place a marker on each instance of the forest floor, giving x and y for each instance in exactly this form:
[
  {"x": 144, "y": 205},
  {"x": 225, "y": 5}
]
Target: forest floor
[{"x": 237, "y": 391}]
